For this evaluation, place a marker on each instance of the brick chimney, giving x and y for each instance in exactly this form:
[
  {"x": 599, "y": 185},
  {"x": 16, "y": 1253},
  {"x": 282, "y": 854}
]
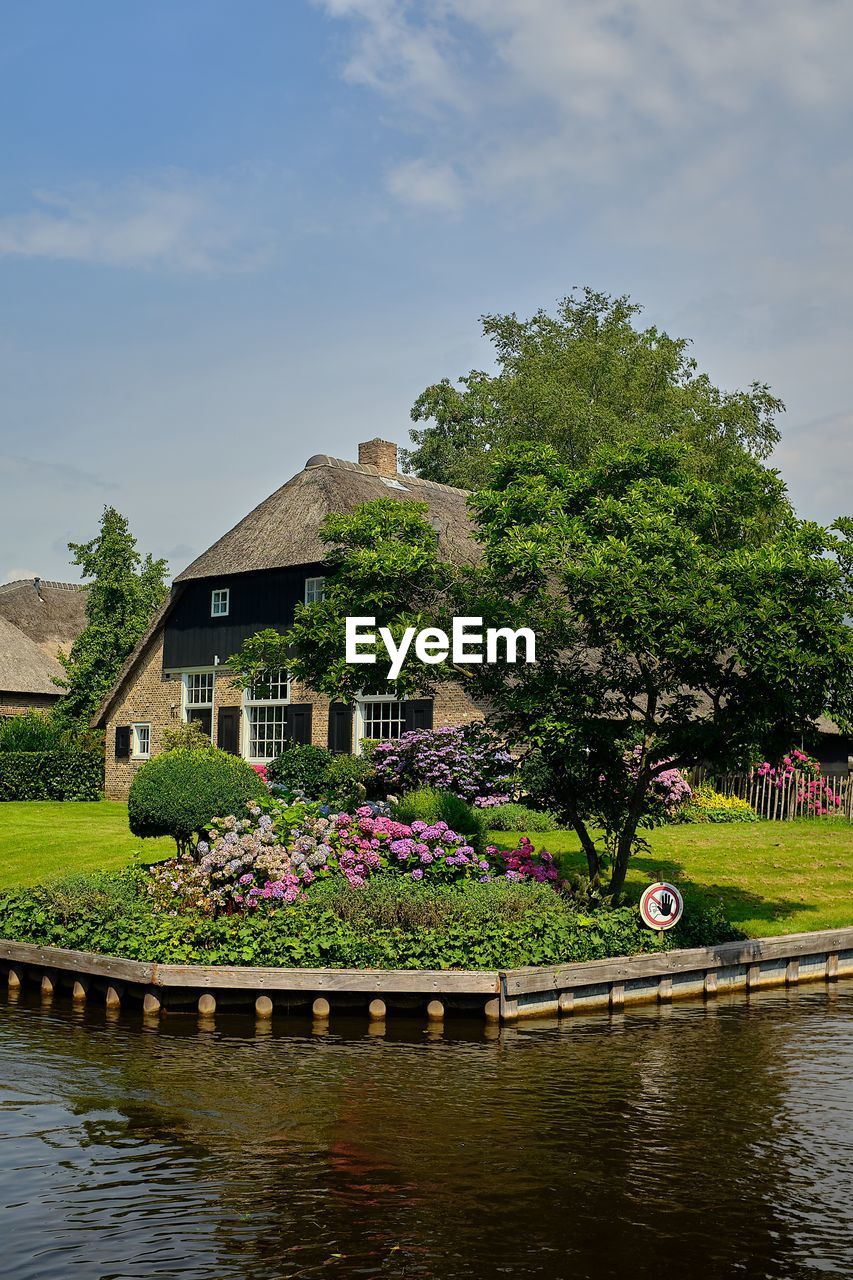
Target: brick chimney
[{"x": 381, "y": 454}]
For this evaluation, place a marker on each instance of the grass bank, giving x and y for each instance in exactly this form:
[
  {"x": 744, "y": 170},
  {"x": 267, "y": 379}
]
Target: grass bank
[
  {"x": 771, "y": 877},
  {"x": 42, "y": 839}
]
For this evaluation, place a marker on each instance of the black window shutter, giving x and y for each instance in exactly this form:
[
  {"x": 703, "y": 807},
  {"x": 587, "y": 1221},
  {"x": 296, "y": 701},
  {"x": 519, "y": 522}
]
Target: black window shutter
[
  {"x": 340, "y": 729},
  {"x": 123, "y": 742},
  {"x": 299, "y": 722},
  {"x": 228, "y": 730},
  {"x": 419, "y": 713}
]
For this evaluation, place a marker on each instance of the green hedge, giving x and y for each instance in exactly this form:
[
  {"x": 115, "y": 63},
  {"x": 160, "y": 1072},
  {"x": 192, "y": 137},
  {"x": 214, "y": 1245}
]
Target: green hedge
[
  {"x": 66, "y": 774},
  {"x": 389, "y": 924}
]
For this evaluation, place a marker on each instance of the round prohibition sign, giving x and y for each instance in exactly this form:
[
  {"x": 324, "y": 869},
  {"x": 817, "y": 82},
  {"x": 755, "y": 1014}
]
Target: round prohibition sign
[{"x": 661, "y": 905}]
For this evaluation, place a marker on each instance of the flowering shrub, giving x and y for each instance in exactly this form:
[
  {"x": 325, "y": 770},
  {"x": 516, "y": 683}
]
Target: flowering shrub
[
  {"x": 421, "y": 850},
  {"x": 524, "y": 863},
  {"x": 708, "y": 805},
  {"x": 666, "y": 796},
  {"x": 272, "y": 854},
  {"x": 815, "y": 793},
  {"x": 280, "y": 848},
  {"x": 465, "y": 760}
]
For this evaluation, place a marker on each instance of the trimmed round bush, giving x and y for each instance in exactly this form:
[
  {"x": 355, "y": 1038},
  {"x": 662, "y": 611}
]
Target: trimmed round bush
[
  {"x": 180, "y": 792},
  {"x": 427, "y": 804}
]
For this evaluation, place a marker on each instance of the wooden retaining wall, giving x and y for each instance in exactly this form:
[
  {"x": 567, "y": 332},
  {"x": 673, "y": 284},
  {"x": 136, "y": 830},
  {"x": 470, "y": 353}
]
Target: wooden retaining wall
[{"x": 497, "y": 996}]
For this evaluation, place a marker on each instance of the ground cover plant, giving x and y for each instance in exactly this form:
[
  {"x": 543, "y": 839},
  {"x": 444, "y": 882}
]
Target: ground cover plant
[
  {"x": 388, "y": 923},
  {"x": 771, "y": 877}
]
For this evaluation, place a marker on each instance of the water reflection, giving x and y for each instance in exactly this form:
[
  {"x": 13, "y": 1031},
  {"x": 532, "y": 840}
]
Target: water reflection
[{"x": 703, "y": 1141}]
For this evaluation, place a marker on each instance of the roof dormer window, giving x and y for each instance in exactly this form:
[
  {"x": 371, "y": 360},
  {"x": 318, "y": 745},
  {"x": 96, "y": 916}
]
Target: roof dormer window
[
  {"x": 220, "y": 602},
  {"x": 315, "y": 589}
]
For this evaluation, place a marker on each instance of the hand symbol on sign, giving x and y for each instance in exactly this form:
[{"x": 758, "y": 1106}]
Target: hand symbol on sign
[{"x": 666, "y": 905}]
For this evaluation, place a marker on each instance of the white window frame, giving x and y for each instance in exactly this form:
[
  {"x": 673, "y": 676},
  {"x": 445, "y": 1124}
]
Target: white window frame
[
  {"x": 313, "y": 591},
  {"x": 360, "y": 719},
  {"x": 136, "y": 752},
  {"x": 218, "y": 597},
  {"x": 252, "y": 704},
  {"x": 187, "y": 706}
]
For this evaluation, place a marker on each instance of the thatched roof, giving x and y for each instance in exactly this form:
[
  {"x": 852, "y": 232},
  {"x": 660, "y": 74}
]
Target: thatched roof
[
  {"x": 51, "y": 614},
  {"x": 284, "y": 530},
  {"x": 24, "y": 667}
]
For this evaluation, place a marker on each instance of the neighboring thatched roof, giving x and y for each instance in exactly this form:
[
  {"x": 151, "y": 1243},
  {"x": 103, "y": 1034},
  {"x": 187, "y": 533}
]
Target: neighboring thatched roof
[
  {"x": 284, "y": 530},
  {"x": 24, "y": 667},
  {"x": 51, "y": 614}
]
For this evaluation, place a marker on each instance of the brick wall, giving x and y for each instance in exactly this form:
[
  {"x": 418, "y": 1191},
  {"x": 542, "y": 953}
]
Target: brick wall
[
  {"x": 147, "y": 697},
  {"x": 15, "y": 704}
]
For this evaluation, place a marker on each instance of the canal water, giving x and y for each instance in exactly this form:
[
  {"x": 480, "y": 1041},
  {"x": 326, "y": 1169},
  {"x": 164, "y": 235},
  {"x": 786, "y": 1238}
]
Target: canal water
[{"x": 702, "y": 1141}]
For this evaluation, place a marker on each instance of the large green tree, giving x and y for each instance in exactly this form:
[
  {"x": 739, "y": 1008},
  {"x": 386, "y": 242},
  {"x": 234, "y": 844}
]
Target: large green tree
[
  {"x": 671, "y": 627},
  {"x": 586, "y": 376},
  {"x": 124, "y": 592}
]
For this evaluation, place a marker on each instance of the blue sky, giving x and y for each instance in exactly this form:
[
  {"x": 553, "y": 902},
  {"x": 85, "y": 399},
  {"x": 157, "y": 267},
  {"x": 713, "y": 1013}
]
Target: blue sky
[{"x": 233, "y": 235}]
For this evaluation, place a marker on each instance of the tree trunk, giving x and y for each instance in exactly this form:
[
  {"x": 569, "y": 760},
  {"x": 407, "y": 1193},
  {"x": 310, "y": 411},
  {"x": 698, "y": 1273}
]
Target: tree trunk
[
  {"x": 593, "y": 861},
  {"x": 624, "y": 845}
]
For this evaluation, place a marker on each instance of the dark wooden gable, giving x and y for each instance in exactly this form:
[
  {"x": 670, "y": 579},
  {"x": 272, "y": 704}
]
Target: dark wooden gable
[{"x": 267, "y": 598}]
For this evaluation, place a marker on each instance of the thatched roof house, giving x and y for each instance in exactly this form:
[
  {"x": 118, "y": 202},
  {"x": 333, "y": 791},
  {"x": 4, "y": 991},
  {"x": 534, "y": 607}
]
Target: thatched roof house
[
  {"x": 251, "y": 578},
  {"x": 37, "y": 620},
  {"x": 285, "y": 529}
]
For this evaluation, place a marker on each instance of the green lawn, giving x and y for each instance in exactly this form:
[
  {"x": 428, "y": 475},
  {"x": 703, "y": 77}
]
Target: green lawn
[
  {"x": 43, "y": 839},
  {"x": 772, "y": 877}
]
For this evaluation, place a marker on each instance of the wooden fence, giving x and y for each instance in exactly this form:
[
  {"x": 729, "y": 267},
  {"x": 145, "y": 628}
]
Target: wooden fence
[{"x": 784, "y": 799}]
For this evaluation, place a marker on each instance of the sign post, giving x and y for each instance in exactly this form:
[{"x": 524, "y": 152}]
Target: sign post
[{"x": 661, "y": 906}]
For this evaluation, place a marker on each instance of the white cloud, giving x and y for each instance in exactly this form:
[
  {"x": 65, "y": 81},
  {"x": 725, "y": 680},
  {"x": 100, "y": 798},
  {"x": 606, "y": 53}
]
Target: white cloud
[
  {"x": 550, "y": 91},
  {"x": 174, "y": 222},
  {"x": 426, "y": 186}
]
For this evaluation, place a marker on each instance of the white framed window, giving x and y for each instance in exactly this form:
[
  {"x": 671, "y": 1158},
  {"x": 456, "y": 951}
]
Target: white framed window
[
  {"x": 315, "y": 589},
  {"x": 140, "y": 741},
  {"x": 273, "y": 686},
  {"x": 198, "y": 699},
  {"x": 267, "y": 731},
  {"x": 266, "y": 712},
  {"x": 381, "y": 718},
  {"x": 220, "y": 602}
]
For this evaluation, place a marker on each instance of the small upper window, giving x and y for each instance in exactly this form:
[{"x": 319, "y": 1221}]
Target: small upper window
[
  {"x": 315, "y": 589},
  {"x": 141, "y": 741},
  {"x": 220, "y": 602}
]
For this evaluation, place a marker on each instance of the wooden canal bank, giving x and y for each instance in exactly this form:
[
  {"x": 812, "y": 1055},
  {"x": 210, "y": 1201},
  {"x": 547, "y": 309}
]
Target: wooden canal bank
[{"x": 497, "y": 996}]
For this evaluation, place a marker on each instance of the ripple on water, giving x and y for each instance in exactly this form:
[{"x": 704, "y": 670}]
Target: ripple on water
[{"x": 708, "y": 1141}]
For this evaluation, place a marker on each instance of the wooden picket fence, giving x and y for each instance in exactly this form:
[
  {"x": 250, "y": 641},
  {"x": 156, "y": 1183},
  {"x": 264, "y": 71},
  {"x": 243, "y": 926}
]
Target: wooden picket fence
[{"x": 782, "y": 802}]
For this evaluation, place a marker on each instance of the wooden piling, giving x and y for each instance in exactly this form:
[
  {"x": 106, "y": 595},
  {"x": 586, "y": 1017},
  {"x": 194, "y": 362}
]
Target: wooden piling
[
  {"x": 151, "y": 1004},
  {"x": 377, "y": 1010},
  {"x": 15, "y": 978},
  {"x": 80, "y": 990},
  {"x": 492, "y": 1010},
  {"x": 206, "y": 1005},
  {"x": 48, "y": 986},
  {"x": 263, "y": 1007},
  {"x": 321, "y": 1008},
  {"x": 435, "y": 1011}
]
